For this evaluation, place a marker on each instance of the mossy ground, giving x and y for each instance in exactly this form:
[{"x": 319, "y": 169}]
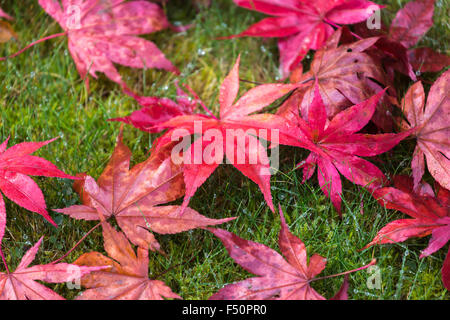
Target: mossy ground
[{"x": 42, "y": 97}]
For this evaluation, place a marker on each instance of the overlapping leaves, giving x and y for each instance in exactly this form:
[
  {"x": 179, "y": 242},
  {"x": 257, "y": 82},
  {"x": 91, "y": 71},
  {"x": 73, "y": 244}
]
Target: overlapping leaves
[
  {"x": 21, "y": 284},
  {"x": 302, "y": 26},
  {"x": 337, "y": 146},
  {"x": 134, "y": 197},
  {"x": 330, "y": 104}
]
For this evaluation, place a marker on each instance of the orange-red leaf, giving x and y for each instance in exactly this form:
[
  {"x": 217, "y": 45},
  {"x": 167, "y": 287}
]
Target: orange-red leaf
[
  {"x": 432, "y": 130},
  {"x": 127, "y": 275},
  {"x": 135, "y": 197}
]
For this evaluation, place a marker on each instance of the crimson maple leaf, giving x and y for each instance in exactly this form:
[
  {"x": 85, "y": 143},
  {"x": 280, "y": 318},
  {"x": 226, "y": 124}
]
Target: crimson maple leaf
[
  {"x": 199, "y": 3},
  {"x": 337, "y": 146},
  {"x": 303, "y": 25},
  {"x": 278, "y": 278},
  {"x": 395, "y": 46},
  {"x": 238, "y": 131},
  {"x": 134, "y": 197},
  {"x": 102, "y": 33},
  {"x": 430, "y": 215},
  {"x": 427, "y": 60},
  {"x": 157, "y": 110},
  {"x": 431, "y": 124},
  {"x": 16, "y": 163},
  {"x": 412, "y": 22},
  {"x": 127, "y": 275},
  {"x": 21, "y": 284}
]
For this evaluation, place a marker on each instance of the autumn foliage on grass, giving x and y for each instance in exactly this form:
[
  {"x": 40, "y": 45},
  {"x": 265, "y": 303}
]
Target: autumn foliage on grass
[
  {"x": 278, "y": 278},
  {"x": 430, "y": 215},
  {"x": 343, "y": 109},
  {"x": 16, "y": 165},
  {"x": 302, "y": 26},
  {"x": 21, "y": 283},
  {"x": 135, "y": 198}
]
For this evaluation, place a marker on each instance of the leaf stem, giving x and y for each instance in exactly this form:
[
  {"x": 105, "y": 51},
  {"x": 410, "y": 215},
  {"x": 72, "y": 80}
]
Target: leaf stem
[
  {"x": 77, "y": 244},
  {"x": 331, "y": 23},
  {"x": 373, "y": 262},
  {"x": 33, "y": 44},
  {"x": 200, "y": 101}
]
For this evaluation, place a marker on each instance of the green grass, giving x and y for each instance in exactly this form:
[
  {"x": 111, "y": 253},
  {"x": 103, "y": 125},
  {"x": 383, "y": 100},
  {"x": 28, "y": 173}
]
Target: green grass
[{"x": 42, "y": 97}]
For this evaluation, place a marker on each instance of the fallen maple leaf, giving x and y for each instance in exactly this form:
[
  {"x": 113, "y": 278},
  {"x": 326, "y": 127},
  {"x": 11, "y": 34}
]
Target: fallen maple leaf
[
  {"x": 427, "y": 60},
  {"x": 21, "y": 284},
  {"x": 133, "y": 196},
  {"x": 431, "y": 215},
  {"x": 101, "y": 33},
  {"x": 233, "y": 116},
  {"x": 203, "y": 3},
  {"x": 338, "y": 147},
  {"x": 394, "y": 48},
  {"x": 412, "y": 22},
  {"x": 157, "y": 110},
  {"x": 344, "y": 74},
  {"x": 278, "y": 278},
  {"x": 303, "y": 25},
  {"x": 16, "y": 163},
  {"x": 431, "y": 124},
  {"x": 127, "y": 277}
]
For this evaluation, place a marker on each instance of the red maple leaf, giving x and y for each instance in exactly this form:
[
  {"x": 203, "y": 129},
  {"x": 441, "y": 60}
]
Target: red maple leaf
[
  {"x": 135, "y": 197},
  {"x": 101, "y": 33},
  {"x": 431, "y": 124},
  {"x": 410, "y": 24},
  {"x": 303, "y": 25},
  {"x": 337, "y": 146},
  {"x": 395, "y": 46},
  {"x": 21, "y": 284},
  {"x": 127, "y": 275},
  {"x": 239, "y": 148},
  {"x": 16, "y": 163},
  {"x": 430, "y": 215},
  {"x": 279, "y": 278}
]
